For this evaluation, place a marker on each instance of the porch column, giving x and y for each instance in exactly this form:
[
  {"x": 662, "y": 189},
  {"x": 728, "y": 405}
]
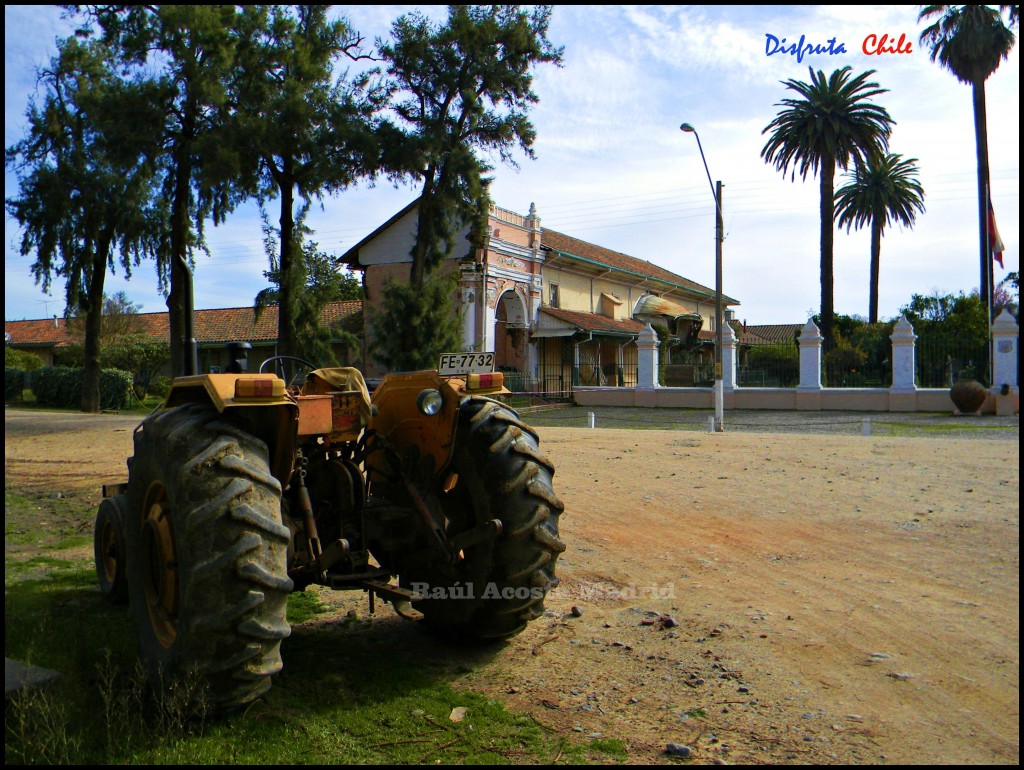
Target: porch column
[
  {"x": 490, "y": 314},
  {"x": 469, "y": 339},
  {"x": 647, "y": 358},
  {"x": 903, "y": 355},
  {"x": 728, "y": 357},
  {"x": 810, "y": 357}
]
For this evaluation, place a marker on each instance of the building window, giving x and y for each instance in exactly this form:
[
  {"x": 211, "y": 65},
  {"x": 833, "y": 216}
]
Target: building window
[{"x": 553, "y": 296}]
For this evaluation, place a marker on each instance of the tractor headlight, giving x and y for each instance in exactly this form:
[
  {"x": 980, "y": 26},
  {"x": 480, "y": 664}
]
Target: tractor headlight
[{"x": 430, "y": 401}]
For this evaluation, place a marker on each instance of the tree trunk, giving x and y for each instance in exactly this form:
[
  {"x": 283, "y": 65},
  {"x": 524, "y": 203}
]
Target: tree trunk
[
  {"x": 876, "y": 259},
  {"x": 828, "y": 173},
  {"x": 179, "y": 276},
  {"x": 180, "y": 210},
  {"x": 287, "y": 289},
  {"x": 94, "y": 329},
  {"x": 423, "y": 214}
]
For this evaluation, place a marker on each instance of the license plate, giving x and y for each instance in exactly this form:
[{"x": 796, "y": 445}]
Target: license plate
[{"x": 454, "y": 364}]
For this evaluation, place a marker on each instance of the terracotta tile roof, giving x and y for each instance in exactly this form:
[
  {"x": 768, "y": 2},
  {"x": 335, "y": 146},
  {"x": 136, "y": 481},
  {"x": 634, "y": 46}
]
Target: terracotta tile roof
[
  {"x": 765, "y": 334},
  {"x": 211, "y": 326},
  {"x": 44, "y": 332},
  {"x": 552, "y": 240},
  {"x": 592, "y": 322}
]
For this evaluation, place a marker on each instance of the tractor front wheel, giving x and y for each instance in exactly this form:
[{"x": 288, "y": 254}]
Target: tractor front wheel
[
  {"x": 207, "y": 555},
  {"x": 496, "y": 584},
  {"x": 109, "y": 549}
]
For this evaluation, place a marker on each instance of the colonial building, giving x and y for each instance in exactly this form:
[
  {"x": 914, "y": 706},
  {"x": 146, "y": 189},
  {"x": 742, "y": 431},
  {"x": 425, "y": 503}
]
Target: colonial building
[{"x": 556, "y": 310}]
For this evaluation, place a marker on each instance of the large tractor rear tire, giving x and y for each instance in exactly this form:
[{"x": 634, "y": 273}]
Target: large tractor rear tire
[
  {"x": 500, "y": 584},
  {"x": 207, "y": 555}
]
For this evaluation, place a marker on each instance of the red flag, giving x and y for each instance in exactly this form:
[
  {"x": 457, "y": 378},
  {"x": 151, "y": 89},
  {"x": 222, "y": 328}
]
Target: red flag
[{"x": 995, "y": 242}]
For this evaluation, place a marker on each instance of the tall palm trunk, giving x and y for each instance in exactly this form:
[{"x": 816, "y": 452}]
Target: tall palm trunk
[
  {"x": 876, "y": 260},
  {"x": 981, "y": 140},
  {"x": 828, "y": 205}
]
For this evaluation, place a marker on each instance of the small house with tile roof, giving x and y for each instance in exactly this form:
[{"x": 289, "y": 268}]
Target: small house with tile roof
[
  {"x": 555, "y": 309},
  {"x": 768, "y": 334},
  {"x": 214, "y": 329}
]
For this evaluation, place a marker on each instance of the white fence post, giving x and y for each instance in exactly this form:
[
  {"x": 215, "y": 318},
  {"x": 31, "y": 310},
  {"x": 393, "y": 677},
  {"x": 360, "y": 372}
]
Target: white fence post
[
  {"x": 810, "y": 357},
  {"x": 1005, "y": 339},
  {"x": 1004, "y": 347},
  {"x": 647, "y": 358},
  {"x": 728, "y": 357},
  {"x": 903, "y": 370}
]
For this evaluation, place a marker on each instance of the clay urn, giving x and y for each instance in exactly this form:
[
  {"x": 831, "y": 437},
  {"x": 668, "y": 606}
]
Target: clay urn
[{"x": 968, "y": 396}]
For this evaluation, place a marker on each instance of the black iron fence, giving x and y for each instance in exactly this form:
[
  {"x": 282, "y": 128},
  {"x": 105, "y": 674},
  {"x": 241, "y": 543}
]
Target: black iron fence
[
  {"x": 941, "y": 360},
  {"x": 944, "y": 359},
  {"x": 688, "y": 375},
  {"x": 769, "y": 366}
]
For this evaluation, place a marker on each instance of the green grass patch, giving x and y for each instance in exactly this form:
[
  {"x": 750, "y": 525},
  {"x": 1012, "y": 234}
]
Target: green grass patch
[
  {"x": 28, "y": 403},
  {"x": 360, "y": 691},
  {"x": 613, "y": 747},
  {"x": 303, "y": 605},
  {"x": 56, "y": 572},
  {"x": 47, "y": 521},
  {"x": 336, "y": 698},
  {"x": 911, "y": 429}
]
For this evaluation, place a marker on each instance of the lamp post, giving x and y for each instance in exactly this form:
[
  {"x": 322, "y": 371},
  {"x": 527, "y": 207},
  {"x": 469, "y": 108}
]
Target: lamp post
[{"x": 716, "y": 191}]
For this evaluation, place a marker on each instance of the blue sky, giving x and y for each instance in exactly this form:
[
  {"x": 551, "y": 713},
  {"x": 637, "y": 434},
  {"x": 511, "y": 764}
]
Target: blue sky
[{"x": 613, "y": 167}]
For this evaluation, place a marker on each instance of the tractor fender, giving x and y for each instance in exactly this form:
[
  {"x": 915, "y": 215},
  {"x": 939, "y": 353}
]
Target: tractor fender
[{"x": 260, "y": 403}]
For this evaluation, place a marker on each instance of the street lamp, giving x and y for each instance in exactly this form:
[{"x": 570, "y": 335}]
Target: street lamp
[{"x": 716, "y": 191}]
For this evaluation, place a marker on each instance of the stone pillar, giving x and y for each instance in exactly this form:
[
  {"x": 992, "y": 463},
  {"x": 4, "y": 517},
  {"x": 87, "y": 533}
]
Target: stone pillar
[
  {"x": 1005, "y": 339},
  {"x": 810, "y": 357},
  {"x": 647, "y": 358},
  {"x": 903, "y": 370},
  {"x": 728, "y": 357}
]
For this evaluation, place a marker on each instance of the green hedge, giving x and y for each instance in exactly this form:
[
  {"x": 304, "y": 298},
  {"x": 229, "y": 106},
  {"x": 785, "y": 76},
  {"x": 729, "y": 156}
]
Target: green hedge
[
  {"x": 61, "y": 386},
  {"x": 14, "y": 384},
  {"x": 21, "y": 359}
]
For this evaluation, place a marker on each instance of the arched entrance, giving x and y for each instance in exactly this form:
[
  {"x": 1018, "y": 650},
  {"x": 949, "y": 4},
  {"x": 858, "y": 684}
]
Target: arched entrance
[{"x": 511, "y": 332}]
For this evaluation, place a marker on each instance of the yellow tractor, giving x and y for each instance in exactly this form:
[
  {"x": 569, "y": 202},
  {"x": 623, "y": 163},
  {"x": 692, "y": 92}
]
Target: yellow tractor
[{"x": 243, "y": 489}]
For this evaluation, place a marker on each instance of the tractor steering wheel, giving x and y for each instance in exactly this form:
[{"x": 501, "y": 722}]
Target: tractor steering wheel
[{"x": 282, "y": 369}]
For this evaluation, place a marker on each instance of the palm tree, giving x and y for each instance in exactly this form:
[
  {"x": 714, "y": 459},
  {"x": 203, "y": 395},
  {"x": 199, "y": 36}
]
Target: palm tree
[
  {"x": 970, "y": 41},
  {"x": 832, "y": 123},
  {"x": 880, "y": 191}
]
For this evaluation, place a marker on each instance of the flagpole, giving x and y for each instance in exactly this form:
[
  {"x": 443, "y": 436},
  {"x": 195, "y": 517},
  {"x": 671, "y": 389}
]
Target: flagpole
[{"x": 989, "y": 219}]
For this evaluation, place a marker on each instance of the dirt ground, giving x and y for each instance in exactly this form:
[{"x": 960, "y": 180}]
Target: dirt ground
[{"x": 756, "y": 597}]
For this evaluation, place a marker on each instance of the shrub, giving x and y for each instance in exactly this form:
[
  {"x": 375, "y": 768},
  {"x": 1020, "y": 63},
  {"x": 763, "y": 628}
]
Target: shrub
[
  {"x": 21, "y": 359},
  {"x": 14, "y": 384},
  {"x": 61, "y": 386},
  {"x": 160, "y": 386}
]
